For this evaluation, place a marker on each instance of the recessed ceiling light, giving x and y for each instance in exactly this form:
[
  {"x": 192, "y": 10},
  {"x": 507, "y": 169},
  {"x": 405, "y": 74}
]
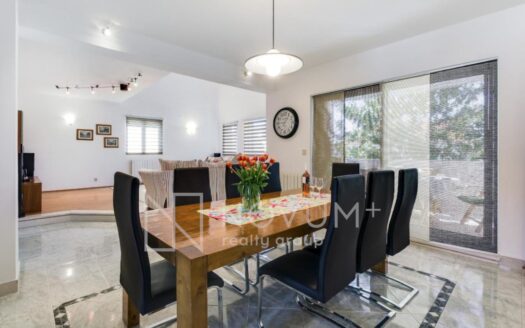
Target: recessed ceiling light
[{"x": 106, "y": 31}]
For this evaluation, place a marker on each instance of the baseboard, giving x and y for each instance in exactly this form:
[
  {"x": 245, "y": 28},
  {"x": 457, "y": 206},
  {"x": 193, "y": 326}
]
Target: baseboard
[
  {"x": 492, "y": 257},
  {"x": 8, "y": 288},
  {"x": 69, "y": 216},
  {"x": 459, "y": 250},
  {"x": 76, "y": 189}
]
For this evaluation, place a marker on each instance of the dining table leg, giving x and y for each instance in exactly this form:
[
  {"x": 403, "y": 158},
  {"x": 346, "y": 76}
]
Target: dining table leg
[
  {"x": 130, "y": 313},
  {"x": 192, "y": 289}
]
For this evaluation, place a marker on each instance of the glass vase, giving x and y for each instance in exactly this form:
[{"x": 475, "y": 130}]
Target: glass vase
[{"x": 250, "y": 200}]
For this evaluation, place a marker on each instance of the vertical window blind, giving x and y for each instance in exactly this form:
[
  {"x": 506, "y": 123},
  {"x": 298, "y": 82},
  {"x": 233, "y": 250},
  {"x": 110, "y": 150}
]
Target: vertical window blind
[
  {"x": 254, "y": 136},
  {"x": 444, "y": 124},
  {"x": 144, "y": 136},
  {"x": 230, "y": 138}
]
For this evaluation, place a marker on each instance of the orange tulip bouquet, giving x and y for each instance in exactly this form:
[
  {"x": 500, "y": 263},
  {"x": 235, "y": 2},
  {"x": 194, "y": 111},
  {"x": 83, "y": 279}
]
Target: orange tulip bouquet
[{"x": 253, "y": 175}]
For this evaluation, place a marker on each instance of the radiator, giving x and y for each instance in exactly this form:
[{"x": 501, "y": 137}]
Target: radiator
[
  {"x": 291, "y": 181},
  {"x": 141, "y": 164}
]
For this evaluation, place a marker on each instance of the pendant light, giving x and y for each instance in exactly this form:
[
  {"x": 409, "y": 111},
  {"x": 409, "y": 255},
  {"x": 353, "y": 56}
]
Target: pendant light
[{"x": 273, "y": 63}]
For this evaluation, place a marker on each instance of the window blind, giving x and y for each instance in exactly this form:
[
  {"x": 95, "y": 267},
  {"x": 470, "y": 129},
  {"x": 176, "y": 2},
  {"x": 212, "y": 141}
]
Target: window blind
[
  {"x": 230, "y": 138},
  {"x": 445, "y": 125},
  {"x": 144, "y": 136},
  {"x": 328, "y": 139},
  {"x": 254, "y": 136},
  {"x": 463, "y": 156}
]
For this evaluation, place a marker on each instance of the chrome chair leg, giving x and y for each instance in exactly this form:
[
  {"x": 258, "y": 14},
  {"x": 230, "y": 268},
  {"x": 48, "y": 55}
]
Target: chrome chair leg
[
  {"x": 261, "y": 256},
  {"x": 258, "y": 264},
  {"x": 288, "y": 246},
  {"x": 220, "y": 306},
  {"x": 398, "y": 305},
  {"x": 264, "y": 257},
  {"x": 245, "y": 276},
  {"x": 259, "y": 302},
  {"x": 315, "y": 307}
]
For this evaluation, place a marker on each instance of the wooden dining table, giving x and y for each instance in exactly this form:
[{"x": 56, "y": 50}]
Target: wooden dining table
[{"x": 197, "y": 244}]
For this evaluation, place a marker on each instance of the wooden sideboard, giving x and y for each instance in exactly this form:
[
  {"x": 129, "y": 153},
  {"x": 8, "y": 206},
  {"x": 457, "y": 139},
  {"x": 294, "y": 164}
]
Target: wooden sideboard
[{"x": 32, "y": 191}]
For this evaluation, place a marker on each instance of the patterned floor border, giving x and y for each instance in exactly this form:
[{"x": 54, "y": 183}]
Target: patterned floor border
[
  {"x": 434, "y": 313},
  {"x": 431, "y": 319}
]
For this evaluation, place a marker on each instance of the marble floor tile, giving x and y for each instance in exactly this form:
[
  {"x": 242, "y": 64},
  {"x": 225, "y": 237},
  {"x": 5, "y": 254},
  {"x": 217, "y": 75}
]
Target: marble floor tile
[{"x": 66, "y": 261}]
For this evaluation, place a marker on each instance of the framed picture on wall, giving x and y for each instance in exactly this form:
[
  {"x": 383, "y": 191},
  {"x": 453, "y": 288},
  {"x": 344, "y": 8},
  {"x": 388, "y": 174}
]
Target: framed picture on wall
[
  {"x": 104, "y": 129},
  {"x": 85, "y": 134},
  {"x": 111, "y": 142}
]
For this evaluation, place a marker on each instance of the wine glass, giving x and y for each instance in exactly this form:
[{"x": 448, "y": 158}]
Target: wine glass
[
  {"x": 314, "y": 185},
  {"x": 319, "y": 184}
]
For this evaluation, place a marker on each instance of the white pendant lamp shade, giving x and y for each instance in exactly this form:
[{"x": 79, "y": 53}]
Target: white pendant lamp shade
[{"x": 273, "y": 63}]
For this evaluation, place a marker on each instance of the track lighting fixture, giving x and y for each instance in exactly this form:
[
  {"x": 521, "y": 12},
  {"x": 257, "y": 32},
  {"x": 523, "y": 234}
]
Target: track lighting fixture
[{"x": 94, "y": 87}]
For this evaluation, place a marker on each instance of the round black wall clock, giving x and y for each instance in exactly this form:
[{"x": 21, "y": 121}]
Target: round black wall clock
[{"x": 286, "y": 122}]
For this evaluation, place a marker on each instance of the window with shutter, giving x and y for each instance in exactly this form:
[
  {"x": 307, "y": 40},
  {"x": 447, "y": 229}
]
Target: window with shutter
[
  {"x": 229, "y": 138},
  {"x": 254, "y": 136},
  {"x": 144, "y": 136}
]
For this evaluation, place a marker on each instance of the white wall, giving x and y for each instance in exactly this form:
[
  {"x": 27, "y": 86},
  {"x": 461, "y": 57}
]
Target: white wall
[
  {"x": 499, "y": 35},
  {"x": 8, "y": 143},
  {"x": 62, "y": 162},
  {"x": 238, "y": 104}
]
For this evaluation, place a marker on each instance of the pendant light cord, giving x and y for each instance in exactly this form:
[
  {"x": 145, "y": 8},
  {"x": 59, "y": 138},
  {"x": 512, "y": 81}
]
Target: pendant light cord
[{"x": 273, "y": 24}]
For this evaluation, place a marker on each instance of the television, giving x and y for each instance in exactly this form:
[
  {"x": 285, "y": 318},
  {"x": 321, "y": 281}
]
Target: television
[{"x": 28, "y": 164}]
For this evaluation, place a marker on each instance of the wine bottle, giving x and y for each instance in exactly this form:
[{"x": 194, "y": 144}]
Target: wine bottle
[{"x": 306, "y": 183}]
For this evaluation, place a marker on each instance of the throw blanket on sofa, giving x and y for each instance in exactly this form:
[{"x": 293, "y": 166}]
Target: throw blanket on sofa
[{"x": 217, "y": 180}]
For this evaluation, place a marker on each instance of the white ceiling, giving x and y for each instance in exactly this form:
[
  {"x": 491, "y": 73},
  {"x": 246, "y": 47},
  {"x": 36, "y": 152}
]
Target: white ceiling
[
  {"x": 42, "y": 66},
  {"x": 232, "y": 30}
]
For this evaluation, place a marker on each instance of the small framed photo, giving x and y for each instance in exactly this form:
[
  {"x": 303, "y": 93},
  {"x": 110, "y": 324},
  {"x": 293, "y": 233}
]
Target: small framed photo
[
  {"x": 85, "y": 134},
  {"x": 104, "y": 129},
  {"x": 110, "y": 142}
]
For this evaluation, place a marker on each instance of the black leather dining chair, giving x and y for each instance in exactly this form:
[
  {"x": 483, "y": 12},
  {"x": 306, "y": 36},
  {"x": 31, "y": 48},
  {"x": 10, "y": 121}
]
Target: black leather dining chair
[
  {"x": 319, "y": 277},
  {"x": 150, "y": 286},
  {"x": 231, "y": 179},
  {"x": 274, "y": 181},
  {"x": 371, "y": 246},
  {"x": 195, "y": 180},
  {"x": 339, "y": 169},
  {"x": 398, "y": 237}
]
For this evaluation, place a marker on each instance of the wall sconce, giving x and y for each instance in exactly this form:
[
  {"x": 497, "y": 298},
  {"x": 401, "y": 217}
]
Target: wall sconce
[
  {"x": 69, "y": 119},
  {"x": 191, "y": 128}
]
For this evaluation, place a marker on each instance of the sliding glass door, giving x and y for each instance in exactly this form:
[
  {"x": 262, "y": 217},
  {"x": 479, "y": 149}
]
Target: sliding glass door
[
  {"x": 406, "y": 136},
  {"x": 363, "y": 131},
  {"x": 442, "y": 123}
]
